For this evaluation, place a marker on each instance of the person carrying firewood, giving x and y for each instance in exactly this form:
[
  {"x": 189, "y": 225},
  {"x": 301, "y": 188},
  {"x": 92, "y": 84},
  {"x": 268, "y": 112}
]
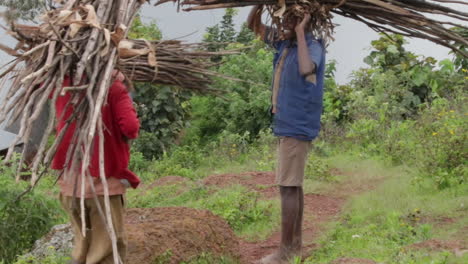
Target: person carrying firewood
[
  {"x": 297, "y": 94},
  {"x": 121, "y": 124}
]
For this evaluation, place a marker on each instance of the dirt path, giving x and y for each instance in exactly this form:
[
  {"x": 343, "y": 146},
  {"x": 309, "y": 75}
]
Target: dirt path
[{"x": 319, "y": 208}]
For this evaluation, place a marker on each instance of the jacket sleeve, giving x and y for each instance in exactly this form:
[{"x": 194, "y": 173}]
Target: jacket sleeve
[{"x": 124, "y": 113}]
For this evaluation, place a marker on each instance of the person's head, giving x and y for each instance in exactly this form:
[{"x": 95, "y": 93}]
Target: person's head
[
  {"x": 292, "y": 17},
  {"x": 288, "y": 26}
]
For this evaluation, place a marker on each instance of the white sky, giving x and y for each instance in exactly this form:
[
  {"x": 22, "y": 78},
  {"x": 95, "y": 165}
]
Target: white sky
[
  {"x": 351, "y": 45},
  {"x": 352, "y": 42}
]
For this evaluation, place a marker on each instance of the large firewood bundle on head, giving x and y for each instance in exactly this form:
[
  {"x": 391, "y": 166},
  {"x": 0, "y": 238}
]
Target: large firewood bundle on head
[
  {"x": 77, "y": 40},
  {"x": 425, "y": 19},
  {"x": 169, "y": 63},
  {"x": 86, "y": 40}
]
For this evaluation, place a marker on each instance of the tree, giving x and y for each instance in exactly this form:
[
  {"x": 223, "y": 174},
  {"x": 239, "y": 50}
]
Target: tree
[
  {"x": 148, "y": 31},
  {"x": 243, "y": 109},
  {"x": 228, "y": 32},
  {"x": 245, "y": 35},
  {"x": 460, "y": 61},
  {"x": 162, "y": 109},
  {"x": 220, "y": 35},
  {"x": 25, "y": 9}
]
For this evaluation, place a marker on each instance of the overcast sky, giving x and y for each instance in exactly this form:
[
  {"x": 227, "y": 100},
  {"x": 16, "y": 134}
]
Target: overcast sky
[
  {"x": 352, "y": 42},
  {"x": 351, "y": 45}
]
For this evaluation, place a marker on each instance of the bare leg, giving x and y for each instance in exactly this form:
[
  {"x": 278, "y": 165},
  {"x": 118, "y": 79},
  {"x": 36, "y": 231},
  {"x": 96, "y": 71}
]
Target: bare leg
[{"x": 292, "y": 208}]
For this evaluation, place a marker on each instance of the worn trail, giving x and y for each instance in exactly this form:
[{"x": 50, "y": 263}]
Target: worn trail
[{"x": 319, "y": 208}]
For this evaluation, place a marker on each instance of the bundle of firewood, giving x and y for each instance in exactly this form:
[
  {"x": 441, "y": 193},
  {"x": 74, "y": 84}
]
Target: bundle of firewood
[
  {"x": 423, "y": 19},
  {"x": 173, "y": 62},
  {"x": 80, "y": 39},
  {"x": 169, "y": 63}
]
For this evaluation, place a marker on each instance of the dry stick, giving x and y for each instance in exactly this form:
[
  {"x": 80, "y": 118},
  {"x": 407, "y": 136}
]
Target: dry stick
[
  {"x": 421, "y": 35},
  {"x": 10, "y": 92},
  {"x": 69, "y": 4},
  {"x": 50, "y": 126},
  {"x": 122, "y": 17},
  {"x": 20, "y": 101},
  {"x": 102, "y": 174},
  {"x": 25, "y": 111},
  {"x": 39, "y": 106},
  {"x": 58, "y": 140},
  {"x": 90, "y": 47},
  {"x": 103, "y": 89},
  {"x": 60, "y": 39},
  {"x": 36, "y": 48},
  {"x": 452, "y": 1},
  {"x": 98, "y": 204},
  {"x": 42, "y": 70}
]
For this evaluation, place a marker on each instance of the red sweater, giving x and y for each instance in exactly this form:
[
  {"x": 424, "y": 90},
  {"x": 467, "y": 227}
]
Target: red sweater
[{"x": 120, "y": 122}]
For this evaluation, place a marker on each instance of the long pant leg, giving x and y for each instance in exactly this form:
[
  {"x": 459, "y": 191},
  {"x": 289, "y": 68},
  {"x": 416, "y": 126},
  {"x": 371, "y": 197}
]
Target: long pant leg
[
  {"x": 100, "y": 245},
  {"x": 80, "y": 243}
]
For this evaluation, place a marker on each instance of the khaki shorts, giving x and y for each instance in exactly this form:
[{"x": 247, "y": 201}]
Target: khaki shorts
[{"x": 292, "y": 158}]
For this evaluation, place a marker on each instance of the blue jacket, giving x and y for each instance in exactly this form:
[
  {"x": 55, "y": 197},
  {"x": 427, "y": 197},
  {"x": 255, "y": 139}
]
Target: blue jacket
[{"x": 299, "y": 105}]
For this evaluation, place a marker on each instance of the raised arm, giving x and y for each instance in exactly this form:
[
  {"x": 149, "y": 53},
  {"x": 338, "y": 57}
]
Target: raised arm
[
  {"x": 254, "y": 21},
  {"x": 307, "y": 67}
]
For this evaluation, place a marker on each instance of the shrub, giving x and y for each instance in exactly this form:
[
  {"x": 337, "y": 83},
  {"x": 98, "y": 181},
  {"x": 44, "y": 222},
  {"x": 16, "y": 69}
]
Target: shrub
[
  {"x": 443, "y": 135},
  {"x": 22, "y": 221},
  {"x": 51, "y": 257},
  {"x": 318, "y": 169}
]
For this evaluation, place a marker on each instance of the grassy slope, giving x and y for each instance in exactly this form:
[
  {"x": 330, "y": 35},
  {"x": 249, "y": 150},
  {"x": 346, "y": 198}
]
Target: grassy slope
[
  {"x": 380, "y": 225},
  {"x": 383, "y": 224}
]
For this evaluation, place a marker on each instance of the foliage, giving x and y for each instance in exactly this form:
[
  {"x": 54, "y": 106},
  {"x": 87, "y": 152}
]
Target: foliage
[
  {"x": 161, "y": 109},
  {"x": 162, "y": 113},
  {"x": 443, "y": 133},
  {"x": 22, "y": 221},
  {"x": 317, "y": 169},
  {"x": 382, "y": 225},
  {"x": 396, "y": 109},
  {"x": 245, "y": 35},
  {"x": 149, "y": 31},
  {"x": 244, "y": 105},
  {"x": 25, "y": 9},
  {"x": 220, "y": 35},
  {"x": 395, "y": 86},
  {"x": 51, "y": 257},
  {"x": 460, "y": 61},
  {"x": 206, "y": 258}
]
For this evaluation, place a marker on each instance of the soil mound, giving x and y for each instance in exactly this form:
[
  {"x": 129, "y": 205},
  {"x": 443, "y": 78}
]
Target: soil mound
[
  {"x": 177, "y": 234},
  {"x": 159, "y": 235}
]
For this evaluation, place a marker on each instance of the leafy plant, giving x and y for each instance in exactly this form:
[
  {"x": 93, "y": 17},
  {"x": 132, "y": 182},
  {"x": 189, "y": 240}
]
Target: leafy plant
[
  {"x": 25, "y": 9},
  {"x": 22, "y": 221},
  {"x": 161, "y": 109}
]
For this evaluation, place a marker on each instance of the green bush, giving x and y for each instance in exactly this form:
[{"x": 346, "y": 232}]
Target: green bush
[
  {"x": 243, "y": 108},
  {"x": 23, "y": 221},
  {"x": 442, "y": 131},
  {"x": 51, "y": 258},
  {"x": 239, "y": 207},
  {"x": 317, "y": 169}
]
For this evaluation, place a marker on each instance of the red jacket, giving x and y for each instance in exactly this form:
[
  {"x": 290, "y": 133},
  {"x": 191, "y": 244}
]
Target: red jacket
[{"x": 120, "y": 122}]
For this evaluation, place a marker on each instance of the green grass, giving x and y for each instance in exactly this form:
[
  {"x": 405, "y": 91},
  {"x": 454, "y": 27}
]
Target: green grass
[{"x": 382, "y": 224}]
